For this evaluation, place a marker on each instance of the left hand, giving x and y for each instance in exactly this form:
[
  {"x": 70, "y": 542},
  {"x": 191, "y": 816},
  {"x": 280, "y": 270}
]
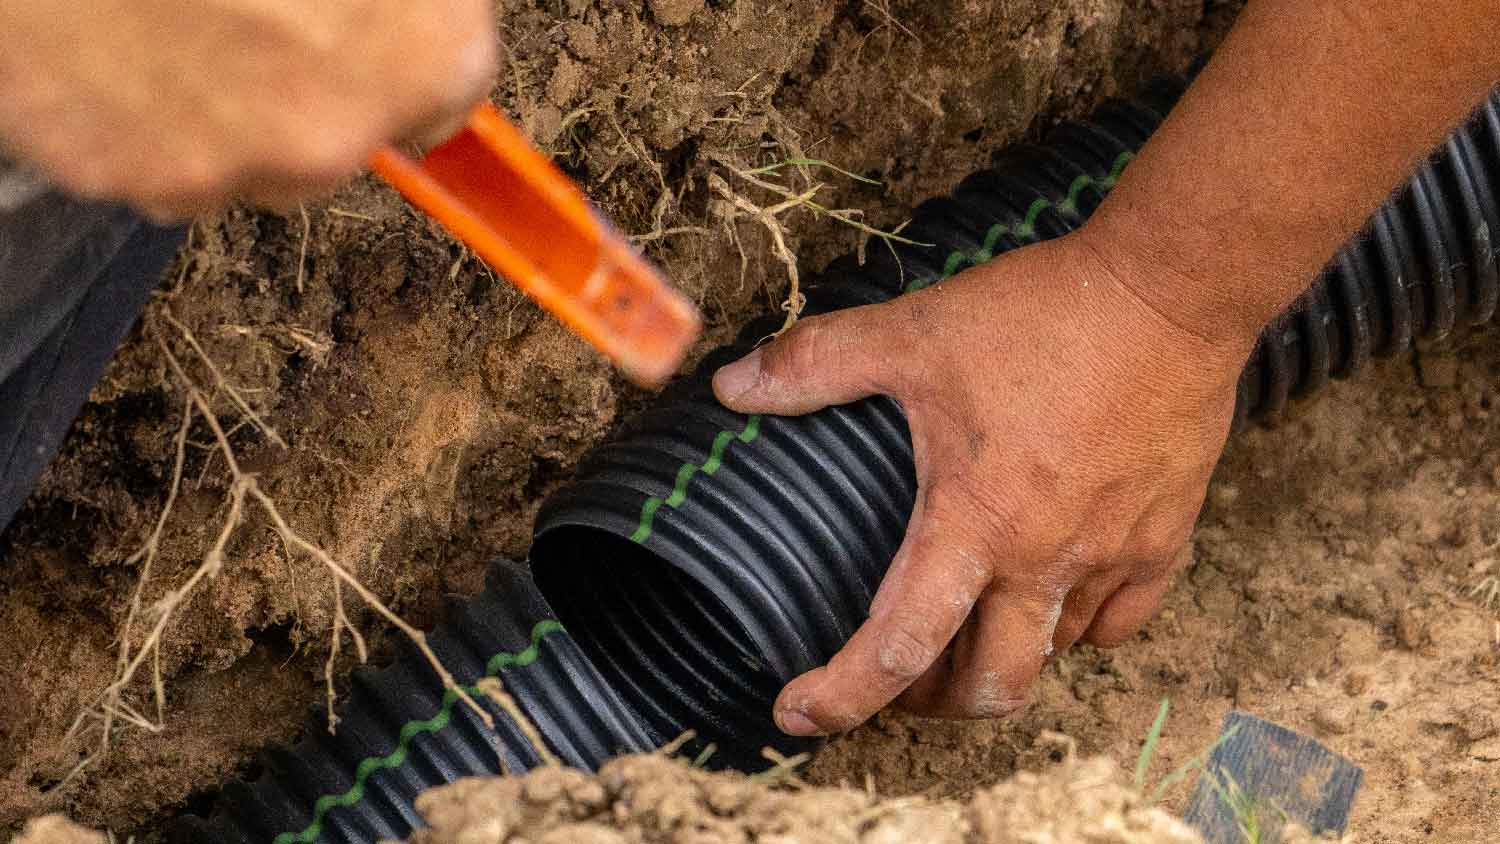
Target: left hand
[{"x": 1064, "y": 433}]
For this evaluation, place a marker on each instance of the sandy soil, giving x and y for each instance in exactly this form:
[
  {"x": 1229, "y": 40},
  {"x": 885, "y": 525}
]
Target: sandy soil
[
  {"x": 649, "y": 798},
  {"x": 428, "y": 408}
]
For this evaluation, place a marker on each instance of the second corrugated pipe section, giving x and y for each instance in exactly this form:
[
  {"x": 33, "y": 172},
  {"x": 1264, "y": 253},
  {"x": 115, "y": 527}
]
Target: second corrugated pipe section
[{"x": 704, "y": 558}]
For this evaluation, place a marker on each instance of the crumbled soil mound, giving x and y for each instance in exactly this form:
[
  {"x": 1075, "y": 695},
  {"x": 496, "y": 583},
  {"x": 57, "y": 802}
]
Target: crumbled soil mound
[
  {"x": 651, "y": 799},
  {"x": 56, "y": 829}
]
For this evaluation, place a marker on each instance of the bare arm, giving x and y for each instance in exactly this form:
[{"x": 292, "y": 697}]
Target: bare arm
[
  {"x": 1069, "y": 400},
  {"x": 1304, "y": 121}
]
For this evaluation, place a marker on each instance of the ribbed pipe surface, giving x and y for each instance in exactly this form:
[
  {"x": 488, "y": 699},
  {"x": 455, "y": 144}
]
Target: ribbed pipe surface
[
  {"x": 704, "y": 558},
  {"x": 399, "y": 733}
]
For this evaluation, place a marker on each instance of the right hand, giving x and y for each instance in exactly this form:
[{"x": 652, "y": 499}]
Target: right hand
[{"x": 177, "y": 106}]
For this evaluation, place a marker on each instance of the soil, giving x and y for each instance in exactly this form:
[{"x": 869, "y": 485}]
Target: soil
[
  {"x": 637, "y": 799},
  {"x": 428, "y": 408}
]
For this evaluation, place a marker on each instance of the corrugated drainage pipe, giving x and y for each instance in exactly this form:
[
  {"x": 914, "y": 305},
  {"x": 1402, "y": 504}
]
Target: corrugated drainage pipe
[{"x": 704, "y": 558}]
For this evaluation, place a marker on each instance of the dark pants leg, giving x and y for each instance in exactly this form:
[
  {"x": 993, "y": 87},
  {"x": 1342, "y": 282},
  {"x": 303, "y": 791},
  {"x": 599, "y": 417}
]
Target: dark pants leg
[{"x": 73, "y": 279}]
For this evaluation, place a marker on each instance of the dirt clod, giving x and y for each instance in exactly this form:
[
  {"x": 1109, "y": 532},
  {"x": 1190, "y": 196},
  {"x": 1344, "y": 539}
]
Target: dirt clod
[
  {"x": 655, "y": 799},
  {"x": 56, "y": 829},
  {"x": 675, "y": 12}
]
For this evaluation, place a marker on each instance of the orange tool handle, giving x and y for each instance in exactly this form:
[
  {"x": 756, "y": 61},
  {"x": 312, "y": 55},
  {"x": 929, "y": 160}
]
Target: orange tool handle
[{"x": 497, "y": 193}]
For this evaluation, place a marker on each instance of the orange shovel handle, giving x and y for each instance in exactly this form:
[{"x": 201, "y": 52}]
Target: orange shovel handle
[{"x": 497, "y": 193}]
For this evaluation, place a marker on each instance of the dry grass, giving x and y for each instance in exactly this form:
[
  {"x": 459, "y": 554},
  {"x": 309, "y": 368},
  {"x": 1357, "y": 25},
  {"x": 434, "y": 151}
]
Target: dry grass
[{"x": 1487, "y": 592}]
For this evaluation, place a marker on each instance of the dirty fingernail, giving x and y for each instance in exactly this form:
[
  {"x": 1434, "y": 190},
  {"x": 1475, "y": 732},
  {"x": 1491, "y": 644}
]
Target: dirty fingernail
[
  {"x": 733, "y": 380},
  {"x": 794, "y": 723}
]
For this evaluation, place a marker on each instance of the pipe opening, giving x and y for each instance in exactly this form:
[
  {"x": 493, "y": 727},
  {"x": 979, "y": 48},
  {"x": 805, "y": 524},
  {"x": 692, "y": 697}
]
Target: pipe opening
[{"x": 671, "y": 647}]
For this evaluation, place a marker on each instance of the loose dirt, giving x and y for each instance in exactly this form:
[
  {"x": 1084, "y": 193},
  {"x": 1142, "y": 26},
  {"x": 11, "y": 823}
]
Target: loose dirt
[
  {"x": 428, "y": 408},
  {"x": 640, "y": 799}
]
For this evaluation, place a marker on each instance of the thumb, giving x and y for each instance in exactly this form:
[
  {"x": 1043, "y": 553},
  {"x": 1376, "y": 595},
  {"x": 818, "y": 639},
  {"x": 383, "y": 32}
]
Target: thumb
[{"x": 820, "y": 361}]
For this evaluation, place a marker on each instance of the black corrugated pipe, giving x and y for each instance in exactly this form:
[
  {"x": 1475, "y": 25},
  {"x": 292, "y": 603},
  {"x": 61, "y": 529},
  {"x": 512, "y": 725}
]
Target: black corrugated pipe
[{"x": 704, "y": 558}]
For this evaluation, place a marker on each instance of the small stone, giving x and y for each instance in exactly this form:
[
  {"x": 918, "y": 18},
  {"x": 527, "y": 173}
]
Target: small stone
[
  {"x": 1356, "y": 684},
  {"x": 1486, "y": 751},
  {"x": 542, "y": 787},
  {"x": 1411, "y": 629},
  {"x": 674, "y": 12},
  {"x": 583, "y": 40},
  {"x": 726, "y": 798},
  {"x": 1225, "y": 494},
  {"x": 56, "y": 829},
  {"x": 1333, "y": 718}
]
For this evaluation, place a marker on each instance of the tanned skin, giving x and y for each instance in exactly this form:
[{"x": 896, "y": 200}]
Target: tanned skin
[{"x": 1069, "y": 400}]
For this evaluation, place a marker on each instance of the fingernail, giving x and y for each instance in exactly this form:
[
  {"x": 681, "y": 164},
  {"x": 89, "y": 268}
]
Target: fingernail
[
  {"x": 794, "y": 723},
  {"x": 732, "y": 381}
]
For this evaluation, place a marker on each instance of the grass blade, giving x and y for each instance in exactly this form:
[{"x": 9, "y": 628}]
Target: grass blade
[{"x": 1148, "y": 750}]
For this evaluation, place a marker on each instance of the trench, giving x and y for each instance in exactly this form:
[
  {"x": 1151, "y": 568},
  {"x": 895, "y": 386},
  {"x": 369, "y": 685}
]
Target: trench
[{"x": 704, "y": 558}]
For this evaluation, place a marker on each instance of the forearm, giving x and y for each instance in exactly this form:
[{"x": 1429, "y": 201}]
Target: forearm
[{"x": 1308, "y": 116}]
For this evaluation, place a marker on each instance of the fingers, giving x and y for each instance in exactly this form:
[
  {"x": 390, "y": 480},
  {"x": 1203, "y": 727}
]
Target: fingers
[
  {"x": 1130, "y": 607},
  {"x": 1011, "y": 641},
  {"x": 1125, "y": 612},
  {"x": 929, "y": 591},
  {"x": 474, "y": 69},
  {"x": 1082, "y": 604},
  {"x": 822, "y": 361}
]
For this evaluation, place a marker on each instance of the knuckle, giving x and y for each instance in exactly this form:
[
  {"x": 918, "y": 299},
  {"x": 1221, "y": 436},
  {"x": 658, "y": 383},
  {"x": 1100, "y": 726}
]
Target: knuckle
[
  {"x": 1112, "y": 636},
  {"x": 998, "y": 530},
  {"x": 325, "y": 156},
  {"x": 903, "y": 653},
  {"x": 464, "y": 69},
  {"x": 797, "y": 353}
]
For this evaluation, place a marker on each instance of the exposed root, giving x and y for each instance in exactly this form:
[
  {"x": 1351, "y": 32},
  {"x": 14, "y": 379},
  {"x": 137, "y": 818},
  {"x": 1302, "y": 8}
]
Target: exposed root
[
  {"x": 286, "y": 339},
  {"x": 495, "y": 691},
  {"x": 769, "y": 216},
  {"x": 676, "y": 744},
  {"x": 340, "y": 624},
  {"x": 783, "y": 769},
  {"x": 111, "y": 710},
  {"x": 221, "y": 382},
  {"x": 302, "y": 257},
  {"x": 889, "y": 26},
  {"x": 352, "y": 215},
  {"x": 661, "y": 234}
]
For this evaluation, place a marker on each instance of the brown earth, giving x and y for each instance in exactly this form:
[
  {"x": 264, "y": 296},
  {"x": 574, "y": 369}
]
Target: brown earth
[
  {"x": 636, "y": 799},
  {"x": 428, "y": 408}
]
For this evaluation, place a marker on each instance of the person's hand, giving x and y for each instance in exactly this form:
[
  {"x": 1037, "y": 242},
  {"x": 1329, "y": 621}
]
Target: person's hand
[
  {"x": 178, "y": 105},
  {"x": 1064, "y": 434}
]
